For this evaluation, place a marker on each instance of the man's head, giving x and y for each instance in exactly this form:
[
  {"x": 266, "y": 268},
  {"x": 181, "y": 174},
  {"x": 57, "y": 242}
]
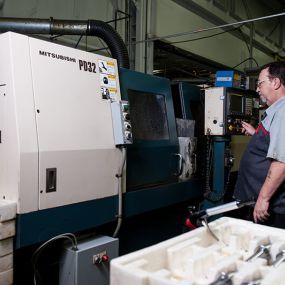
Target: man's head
[{"x": 271, "y": 82}]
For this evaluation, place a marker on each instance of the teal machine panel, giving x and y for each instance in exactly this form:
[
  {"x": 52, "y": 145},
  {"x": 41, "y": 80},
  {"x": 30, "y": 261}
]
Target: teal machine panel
[{"x": 153, "y": 158}]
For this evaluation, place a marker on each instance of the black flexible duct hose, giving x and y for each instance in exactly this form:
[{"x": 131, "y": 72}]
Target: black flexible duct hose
[{"x": 112, "y": 39}]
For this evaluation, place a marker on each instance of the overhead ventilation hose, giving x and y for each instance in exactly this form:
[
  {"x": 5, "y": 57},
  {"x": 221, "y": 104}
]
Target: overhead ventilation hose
[{"x": 112, "y": 39}]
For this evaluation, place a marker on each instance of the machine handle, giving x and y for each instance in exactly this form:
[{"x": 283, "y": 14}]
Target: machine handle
[{"x": 50, "y": 180}]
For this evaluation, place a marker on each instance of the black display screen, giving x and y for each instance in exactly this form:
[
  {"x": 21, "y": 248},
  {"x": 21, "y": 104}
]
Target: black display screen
[
  {"x": 148, "y": 115},
  {"x": 236, "y": 103}
]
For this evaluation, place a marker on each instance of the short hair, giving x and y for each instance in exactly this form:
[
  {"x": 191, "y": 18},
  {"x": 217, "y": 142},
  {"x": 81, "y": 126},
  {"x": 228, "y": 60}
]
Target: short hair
[{"x": 276, "y": 69}]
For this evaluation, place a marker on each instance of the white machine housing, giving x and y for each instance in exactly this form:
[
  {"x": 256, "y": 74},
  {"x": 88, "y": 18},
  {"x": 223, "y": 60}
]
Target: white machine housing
[
  {"x": 215, "y": 111},
  {"x": 57, "y": 143}
]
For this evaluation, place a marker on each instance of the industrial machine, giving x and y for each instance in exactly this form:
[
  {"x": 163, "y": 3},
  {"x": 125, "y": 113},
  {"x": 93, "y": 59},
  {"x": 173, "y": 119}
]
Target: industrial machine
[{"x": 83, "y": 143}]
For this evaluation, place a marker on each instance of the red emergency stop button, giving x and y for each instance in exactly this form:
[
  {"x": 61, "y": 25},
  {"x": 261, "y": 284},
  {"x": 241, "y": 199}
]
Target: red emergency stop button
[{"x": 105, "y": 258}]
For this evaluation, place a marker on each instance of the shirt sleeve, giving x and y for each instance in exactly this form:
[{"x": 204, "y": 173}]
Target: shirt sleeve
[{"x": 276, "y": 148}]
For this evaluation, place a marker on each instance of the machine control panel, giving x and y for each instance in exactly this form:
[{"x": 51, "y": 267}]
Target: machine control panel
[
  {"x": 227, "y": 108},
  {"x": 121, "y": 122}
]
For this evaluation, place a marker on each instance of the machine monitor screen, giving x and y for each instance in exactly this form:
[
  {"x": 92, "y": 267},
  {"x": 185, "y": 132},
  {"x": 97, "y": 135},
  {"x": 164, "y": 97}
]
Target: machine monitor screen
[
  {"x": 148, "y": 115},
  {"x": 236, "y": 103}
]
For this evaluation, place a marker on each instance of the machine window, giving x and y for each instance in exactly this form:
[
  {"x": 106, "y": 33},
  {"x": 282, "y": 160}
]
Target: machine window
[{"x": 148, "y": 115}]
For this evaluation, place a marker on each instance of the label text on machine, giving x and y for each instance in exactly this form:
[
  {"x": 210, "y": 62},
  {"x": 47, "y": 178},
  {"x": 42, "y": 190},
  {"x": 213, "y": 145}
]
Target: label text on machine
[
  {"x": 87, "y": 66},
  {"x": 58, "y": 56},
  {"x": 83, "y": 65}
]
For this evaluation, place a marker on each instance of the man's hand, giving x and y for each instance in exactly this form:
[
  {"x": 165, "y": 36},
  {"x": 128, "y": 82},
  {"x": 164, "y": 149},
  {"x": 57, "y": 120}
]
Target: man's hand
[
  {"x": 247, "y": 129},
  {"x": 260, "y": 213}
]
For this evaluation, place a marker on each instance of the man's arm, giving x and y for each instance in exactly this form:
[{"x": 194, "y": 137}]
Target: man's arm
[{"x": 274, "y": 178}]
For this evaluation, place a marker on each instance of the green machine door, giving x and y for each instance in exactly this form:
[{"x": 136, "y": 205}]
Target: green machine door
[{"x": 153, "y": 158}]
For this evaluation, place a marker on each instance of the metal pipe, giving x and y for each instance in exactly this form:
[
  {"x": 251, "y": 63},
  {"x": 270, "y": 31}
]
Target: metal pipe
[
  {"x": 44, "y": 26},
  {"x": 26, "y": 26},
  {"x": 70, "y": 27}
]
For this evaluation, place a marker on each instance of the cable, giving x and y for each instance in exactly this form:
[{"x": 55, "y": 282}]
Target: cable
[
  {"x": 274, "y": 28},
  {"x": 120, "y": 191},
  {"x": 249, "y": 58},
  {"x": 38, "y": 251},
  {"x": 209, "y": 29},
  {"x": 99, "y": 49},
  {"x": 200, "y": 31},
  {"x": 107, "y": 49},
  {"x": 206, "y": 37},
  {"x": 55, "y": 37},
  {"x": 78, "y": 41}
]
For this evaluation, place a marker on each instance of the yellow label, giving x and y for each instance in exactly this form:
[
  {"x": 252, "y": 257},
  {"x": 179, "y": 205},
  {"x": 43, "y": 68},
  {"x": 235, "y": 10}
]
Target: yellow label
[{"x": 236, "y": 76}]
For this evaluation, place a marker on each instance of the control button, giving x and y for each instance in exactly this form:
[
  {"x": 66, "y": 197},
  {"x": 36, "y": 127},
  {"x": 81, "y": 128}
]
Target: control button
[
  {"x": 128, "y": 135},
  {"x": 126, "y": 116},
  {"x": 127, "y": 126},
  {"x": 97, "y": 259},
  {"x": 105, "y": 258}
]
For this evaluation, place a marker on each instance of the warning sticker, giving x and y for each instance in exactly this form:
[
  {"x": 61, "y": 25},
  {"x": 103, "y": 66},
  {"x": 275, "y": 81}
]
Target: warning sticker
[
  {"x": 108, "y": 93},
  {"x": 108, "y": 80},
  {"x": 107, "y": 67}
]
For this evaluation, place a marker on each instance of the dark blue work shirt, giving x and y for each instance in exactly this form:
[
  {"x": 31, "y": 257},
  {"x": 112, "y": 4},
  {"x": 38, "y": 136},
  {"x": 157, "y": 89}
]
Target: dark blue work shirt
[{"x": 258, "y": 156}]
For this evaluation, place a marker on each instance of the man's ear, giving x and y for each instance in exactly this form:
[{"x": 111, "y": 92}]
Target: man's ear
[{"x": 276, "y": 83}]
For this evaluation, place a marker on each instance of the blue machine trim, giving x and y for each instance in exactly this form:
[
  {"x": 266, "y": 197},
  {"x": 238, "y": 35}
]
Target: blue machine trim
[
  {"x": 141, "y": 201},
  {"x": 219, "y": 165},
  {"x": 41, "y": 225}
]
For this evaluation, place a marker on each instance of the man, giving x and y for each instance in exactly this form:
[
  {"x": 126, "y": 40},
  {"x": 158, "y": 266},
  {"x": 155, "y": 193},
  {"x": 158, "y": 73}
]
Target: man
[{"x": 262, "y": 168}]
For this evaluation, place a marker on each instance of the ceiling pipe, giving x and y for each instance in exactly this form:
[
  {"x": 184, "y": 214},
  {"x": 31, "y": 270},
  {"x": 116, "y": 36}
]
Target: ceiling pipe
[{"x": 51, "y": 26}]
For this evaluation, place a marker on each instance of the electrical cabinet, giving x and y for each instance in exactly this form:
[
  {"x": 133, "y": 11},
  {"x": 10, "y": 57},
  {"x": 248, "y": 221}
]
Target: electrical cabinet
[{"x": 90, "y": 263}]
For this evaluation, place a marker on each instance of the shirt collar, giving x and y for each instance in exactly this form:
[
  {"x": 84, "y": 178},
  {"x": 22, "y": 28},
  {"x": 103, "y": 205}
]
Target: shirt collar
[{"x": 270, "y": 111}]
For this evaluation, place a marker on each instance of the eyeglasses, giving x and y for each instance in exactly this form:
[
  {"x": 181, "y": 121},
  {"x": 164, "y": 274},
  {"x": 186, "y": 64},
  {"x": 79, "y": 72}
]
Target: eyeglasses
[{"x": 259, "y": 83}]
